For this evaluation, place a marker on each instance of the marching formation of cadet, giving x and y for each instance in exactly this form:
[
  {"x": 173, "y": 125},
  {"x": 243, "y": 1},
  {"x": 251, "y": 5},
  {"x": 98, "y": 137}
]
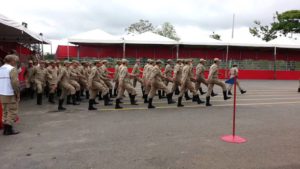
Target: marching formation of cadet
[{"x": 73, "y": 80}]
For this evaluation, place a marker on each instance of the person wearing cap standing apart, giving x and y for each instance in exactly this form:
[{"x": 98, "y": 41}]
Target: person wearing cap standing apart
[
  {"x": 147, "y": 82},
  {"x": 234, "y": 73},
  {"x": 186, "y": 83},
  {"x": 116, "y": 77},
  {"x": 136, "y": 70},
  {"x": 213, "y": 78},
  {"x": 39, "y": 75},
  {"x": 125, "y": 84},
  {"x": 9, "y": 93},
  {"x": 52, "y": 74},
  {"x": 156, "y": 79},
  {"x": 168, "y": 73},
  {"x": 106, "y": 73},
  {"x": 177, "y": 77},
  {"x": 96, "y": 85}
]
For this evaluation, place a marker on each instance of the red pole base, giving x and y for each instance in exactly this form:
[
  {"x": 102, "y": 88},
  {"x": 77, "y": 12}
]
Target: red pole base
[{"x": 233, "y": 139}]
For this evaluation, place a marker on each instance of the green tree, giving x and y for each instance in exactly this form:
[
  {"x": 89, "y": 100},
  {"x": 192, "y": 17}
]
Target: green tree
[
  {"x": 140, "y": 27},
  {"x": 215, "y": 36},
  {"x": 167, "y": 30},
  {"x": 285, "y": 23}
]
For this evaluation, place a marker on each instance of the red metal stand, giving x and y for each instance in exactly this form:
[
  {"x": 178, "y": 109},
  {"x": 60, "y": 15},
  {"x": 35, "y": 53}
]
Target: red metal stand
[{"x": 233, "y": 138}]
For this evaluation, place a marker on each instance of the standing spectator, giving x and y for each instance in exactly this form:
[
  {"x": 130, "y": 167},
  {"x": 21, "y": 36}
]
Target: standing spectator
[{"x": 9, "y": 93}]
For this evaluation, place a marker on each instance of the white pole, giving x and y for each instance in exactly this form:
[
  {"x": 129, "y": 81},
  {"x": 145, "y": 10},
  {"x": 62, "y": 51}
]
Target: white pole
[{"x": 233, "y": 20}]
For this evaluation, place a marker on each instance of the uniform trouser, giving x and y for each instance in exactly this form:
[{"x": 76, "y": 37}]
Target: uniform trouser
[
  {"x": 66, "y": 89},
  {"x": 116, "y": 84},
  {"x": 75, "y": 84},
  {"x": 237, "y": 84},
  {"x": 200, "y": 80},
  {"x": 157, "y": 86},
  {"x": 147, "y": 86},
  {"x": 175, "y": 85},
  {"x": 211, "y": 84},
  {"x": 137, "y": 79},
  {"x": 83, "y": 83},
  {"x": 52, "y": 88},
  {"x": 108, "y": 84},
  {"x": 39, "y": 86},
  {"x": 125, "y": 86},
  {"x": 9, "y": 111},
  {"x": 188, "y": 85},
  {"x": 96, "y": 88}
]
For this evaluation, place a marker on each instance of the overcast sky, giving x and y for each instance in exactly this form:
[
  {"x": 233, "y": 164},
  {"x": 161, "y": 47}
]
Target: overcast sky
[{"x": 59, "y": 19}]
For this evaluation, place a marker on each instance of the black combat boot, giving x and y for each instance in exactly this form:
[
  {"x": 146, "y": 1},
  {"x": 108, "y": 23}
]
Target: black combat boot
[
  {"x": 87, "y": 94},
  {"x": 91, "y": 103},
  {"x": 5, "y": 129},
  {"x": 299, "y": 89},
  {"x": 243, "y": 91},
  {"x": 111, "y": 93},
  {"x": 229, "y": 92},
  {"x": 201, "y": 91},
  {"x": 186, "y": 95},
  {"x": 213, "y": 94},
  {"x": 115, "y": 92},
  {"x": 208, "y": 101},
  {"x": 117, "y": 106},
  {"x": 60, "y": 105},
  {"x": 100, "y": 96},
  {"x": 150, "y": 106},
  {"x": 179, "y": 104},
  {"x": 69, "y": 100},
  {"x": 106, "y": 100},
  {"x": 39, "y": 99},
  {"x": 225, "y": 95},
  {"x": 177, "y": 91},
  {"x": 170, "y": 100},
  {"x": 51, "y": 98},
  {"x": 143, "y": 91},
  {"x": 74, "y": 100},
  {"x": 132, "y": 99},
  {"x": 78, "y": 96},
  {"x": 146, "y": 98},
  {"x": 198, "y": 100},
  {"x": 160, "y": 96},
  {"x": 58, "y": 92},
  {"x": 10, "y": 130}
]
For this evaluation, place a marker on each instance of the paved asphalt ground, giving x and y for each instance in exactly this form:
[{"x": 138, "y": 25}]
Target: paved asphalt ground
[{"x": 268, "y": 116}]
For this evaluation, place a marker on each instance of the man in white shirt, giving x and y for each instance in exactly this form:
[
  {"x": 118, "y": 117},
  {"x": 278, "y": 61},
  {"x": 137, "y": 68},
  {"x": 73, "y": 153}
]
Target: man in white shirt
[{"x": 9, "y": 93}]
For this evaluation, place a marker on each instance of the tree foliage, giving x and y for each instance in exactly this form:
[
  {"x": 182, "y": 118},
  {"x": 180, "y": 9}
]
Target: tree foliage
[
  {"x": 142, "y": 26},
  {"x": 139, "y": 27},
  {"x": 167, "y": 30},
  {"x": 215, "y": 36},
  {"x": 285, "y": 23}
]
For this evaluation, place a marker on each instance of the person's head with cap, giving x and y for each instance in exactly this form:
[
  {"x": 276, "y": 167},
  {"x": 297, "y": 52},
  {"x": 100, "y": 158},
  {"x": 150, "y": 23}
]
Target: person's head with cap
[
  {"x": 67, "y": 63},
  {"x": 234, "y": 65},
  {"x": 170, "y": 61},
  {"x": 30, "y": 63},
  {"x": 217, "y": 61},
  {"x": 11, "y": 59},
  {"x": 104, "y": 61},
  {"x": 118, "y": 61},
  {"x": 158, "y": 62},
  {"x": 179, "y": 61},
  {"x": 124, "y": 61},
  {"x": 98, "y": 63},
  {"x": 52, "y": 63},
  {"x": 203, "y": 61}
]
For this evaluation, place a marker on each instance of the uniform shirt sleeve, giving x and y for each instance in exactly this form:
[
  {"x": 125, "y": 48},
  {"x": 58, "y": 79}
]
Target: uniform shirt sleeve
[{"x": 14, "y": 80}]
